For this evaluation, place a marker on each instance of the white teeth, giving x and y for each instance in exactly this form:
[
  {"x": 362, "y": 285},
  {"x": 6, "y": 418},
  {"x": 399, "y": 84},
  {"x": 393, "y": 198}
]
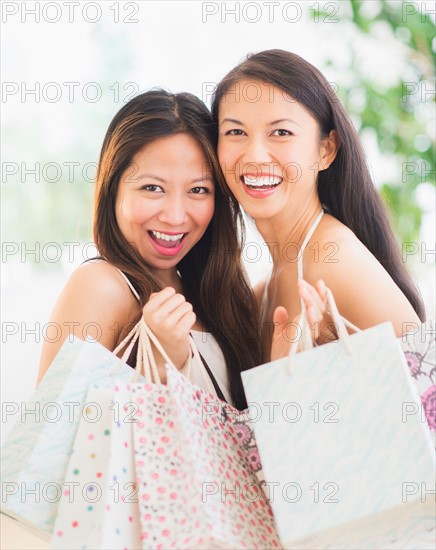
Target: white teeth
[
  {"x": 263, "y": 181},
  {"x": 166, "y": 237}
]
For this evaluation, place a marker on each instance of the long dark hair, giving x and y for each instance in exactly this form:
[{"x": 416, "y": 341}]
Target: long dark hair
[
  {"x": 212, "y": 276},
  {"x": 346, "y": 187}
]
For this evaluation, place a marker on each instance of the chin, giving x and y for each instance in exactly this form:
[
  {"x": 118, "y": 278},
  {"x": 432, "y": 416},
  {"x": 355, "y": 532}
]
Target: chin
[{"x": 262, "y": 212}]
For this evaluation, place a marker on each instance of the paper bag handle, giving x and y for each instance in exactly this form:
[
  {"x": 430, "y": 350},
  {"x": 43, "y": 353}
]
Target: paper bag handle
[
  {"x": 340, "y": 322},
  {"x": 145, "y": 361}
]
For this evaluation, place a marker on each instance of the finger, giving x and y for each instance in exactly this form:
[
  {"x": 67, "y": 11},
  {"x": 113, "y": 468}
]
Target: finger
[
  {"x": 311, "y": 297},
  {"x": 322, "y": 290},
  {"x": 313, "y": 293},
  {"x": 156, "y": 299},
  {"x": 313, "y": 317},
  {"x": 175, "y": 316},
  {"x": 280, "y": 318},
  {"x": 313, "y": 313},
  {"x": 185, "y": 324},
  {"x": 165, "y": 308}
]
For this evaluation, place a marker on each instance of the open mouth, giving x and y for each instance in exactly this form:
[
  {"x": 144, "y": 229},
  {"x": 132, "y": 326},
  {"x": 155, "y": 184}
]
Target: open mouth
[
  {"x": 261, "y": 183},
  {"x": 167, "y": 240}
]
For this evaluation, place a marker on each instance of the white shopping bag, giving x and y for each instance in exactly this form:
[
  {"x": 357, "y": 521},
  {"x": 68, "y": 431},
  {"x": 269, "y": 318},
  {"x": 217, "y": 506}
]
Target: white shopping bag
[
  {"x": 35, "y": 456},
  {"x": 345, "y": 464}
]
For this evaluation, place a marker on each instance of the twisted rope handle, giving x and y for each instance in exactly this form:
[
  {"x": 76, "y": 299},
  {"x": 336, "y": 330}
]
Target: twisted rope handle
[
  {"x": 145, "y": 360},
  {"x": 306, "y": 337}
]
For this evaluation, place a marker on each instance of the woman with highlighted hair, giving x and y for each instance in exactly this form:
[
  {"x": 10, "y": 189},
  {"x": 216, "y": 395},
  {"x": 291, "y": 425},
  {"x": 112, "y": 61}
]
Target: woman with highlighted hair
[{"x": 168, "y": 246}]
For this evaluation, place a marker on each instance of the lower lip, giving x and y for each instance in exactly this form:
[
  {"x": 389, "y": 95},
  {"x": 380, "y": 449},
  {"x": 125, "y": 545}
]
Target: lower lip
[
  {"x": 163, "y": 250},
  {"x": 260, "y": 193}
]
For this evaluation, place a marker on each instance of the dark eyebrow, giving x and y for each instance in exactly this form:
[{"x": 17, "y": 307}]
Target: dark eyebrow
[
  {"x": 204, "y": 178},
  {"x": 232, "y": 120},
  {"x": 284, "y": 120},
  {"x": 151, "y": 176}
]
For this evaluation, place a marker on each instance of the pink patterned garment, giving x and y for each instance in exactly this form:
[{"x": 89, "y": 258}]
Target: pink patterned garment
[{"x": 419, "y": 348}]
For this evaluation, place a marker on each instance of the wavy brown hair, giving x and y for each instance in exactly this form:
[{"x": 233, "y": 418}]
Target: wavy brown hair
[
  {"x": 213, "y": 279},
  {"x": 346, "y": 187}
]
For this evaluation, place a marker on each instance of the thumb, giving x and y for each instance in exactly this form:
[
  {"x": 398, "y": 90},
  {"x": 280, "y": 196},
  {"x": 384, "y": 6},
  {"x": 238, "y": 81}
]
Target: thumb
[
  {"x": 280, "y": 345},
  {"x": 280, "y": 318}
]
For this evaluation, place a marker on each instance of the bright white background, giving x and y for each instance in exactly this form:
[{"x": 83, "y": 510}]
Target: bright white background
[{"x": 178, "y": 45}]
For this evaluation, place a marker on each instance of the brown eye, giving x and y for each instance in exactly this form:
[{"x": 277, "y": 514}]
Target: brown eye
[
  {"x": 281, "y": 133},
  {"x": 234, "y": 132},
  {"x": 152, "y": 188},
  {"x": 200, "y": 190}
]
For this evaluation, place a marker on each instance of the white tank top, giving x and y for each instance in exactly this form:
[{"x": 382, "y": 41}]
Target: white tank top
[{"x": 209, "y": 349}]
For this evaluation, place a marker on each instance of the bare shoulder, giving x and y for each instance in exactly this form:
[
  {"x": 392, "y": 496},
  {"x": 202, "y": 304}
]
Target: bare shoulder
[
  {"x": 335, "y": 246},
  {"x": 98, "y": 290},
  {"x": 96, "y": 301},
  {"x": 364, "y": 291},
  {"x": 103, "y": 280}
]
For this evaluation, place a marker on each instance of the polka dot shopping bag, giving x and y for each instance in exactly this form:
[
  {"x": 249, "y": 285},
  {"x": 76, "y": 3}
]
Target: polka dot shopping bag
[{"x": 181, "y": 472}]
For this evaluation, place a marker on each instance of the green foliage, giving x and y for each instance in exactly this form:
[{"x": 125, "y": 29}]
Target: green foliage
[{"x": 399, "y": 114}]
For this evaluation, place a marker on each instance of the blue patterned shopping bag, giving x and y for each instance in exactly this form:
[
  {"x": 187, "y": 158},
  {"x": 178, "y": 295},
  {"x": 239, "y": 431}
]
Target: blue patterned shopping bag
[
  {"x": 35, "y": 456},
  {"x": 346, "y": 466}
]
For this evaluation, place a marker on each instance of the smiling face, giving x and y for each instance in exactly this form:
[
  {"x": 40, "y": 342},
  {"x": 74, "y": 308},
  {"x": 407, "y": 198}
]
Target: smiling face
[
  {"x": 165, "y": 200},
  {"x": 270, "y": 149}
]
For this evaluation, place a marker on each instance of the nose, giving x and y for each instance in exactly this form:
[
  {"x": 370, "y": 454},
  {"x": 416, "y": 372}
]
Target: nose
[
  {"x": 256, "y": 154},
  {"x": 174, "y": 210}
]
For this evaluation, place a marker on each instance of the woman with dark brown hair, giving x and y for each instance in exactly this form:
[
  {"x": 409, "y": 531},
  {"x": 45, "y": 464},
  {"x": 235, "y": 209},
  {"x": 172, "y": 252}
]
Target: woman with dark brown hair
[
  {"x": 293, "y": 161},
  {"x": 168, "y": 245}
]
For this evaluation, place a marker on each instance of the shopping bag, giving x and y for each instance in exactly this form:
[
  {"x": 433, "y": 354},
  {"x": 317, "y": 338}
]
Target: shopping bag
[
  {"x": 35, "y": 456},
  {"x": 196, "y": 487},
  {"x": 113, "y": 521},
  {"x": 121, "y": 526},
  {"x": 84, "y": 485},
  {"x": 347, "y": 467},
  {"x": 103, "y": 512}
]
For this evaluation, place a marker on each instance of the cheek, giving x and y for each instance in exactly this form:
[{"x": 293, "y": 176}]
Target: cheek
[
  {"x": 226, "y": 155},
  {"x": 135, "y": 211},
  {"x": 203, "y": 214},
  {"x": 292, "y": 172},
  {"x": 130, "y": 216}
]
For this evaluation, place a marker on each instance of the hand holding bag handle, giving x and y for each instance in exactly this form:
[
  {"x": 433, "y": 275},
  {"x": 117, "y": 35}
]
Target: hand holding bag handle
[
  {"x": 145, "y": 361},
  {"x": 306, "y": 337}
]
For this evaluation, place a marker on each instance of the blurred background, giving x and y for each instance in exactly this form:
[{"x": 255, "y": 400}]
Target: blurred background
[{"x": 68, "y": 67}]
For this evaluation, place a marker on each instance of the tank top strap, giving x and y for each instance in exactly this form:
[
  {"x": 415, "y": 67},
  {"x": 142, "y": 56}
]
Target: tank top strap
[
  {"x": 124, "y": 276},
  {"x": 132, "y": 288},
  {"x": 306, "y": 240}
]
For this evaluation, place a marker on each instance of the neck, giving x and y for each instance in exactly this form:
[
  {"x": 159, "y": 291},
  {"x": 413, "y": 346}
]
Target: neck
[
  {"x": 284, "y": 233},
  {"x": 168, "y": 277}
]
